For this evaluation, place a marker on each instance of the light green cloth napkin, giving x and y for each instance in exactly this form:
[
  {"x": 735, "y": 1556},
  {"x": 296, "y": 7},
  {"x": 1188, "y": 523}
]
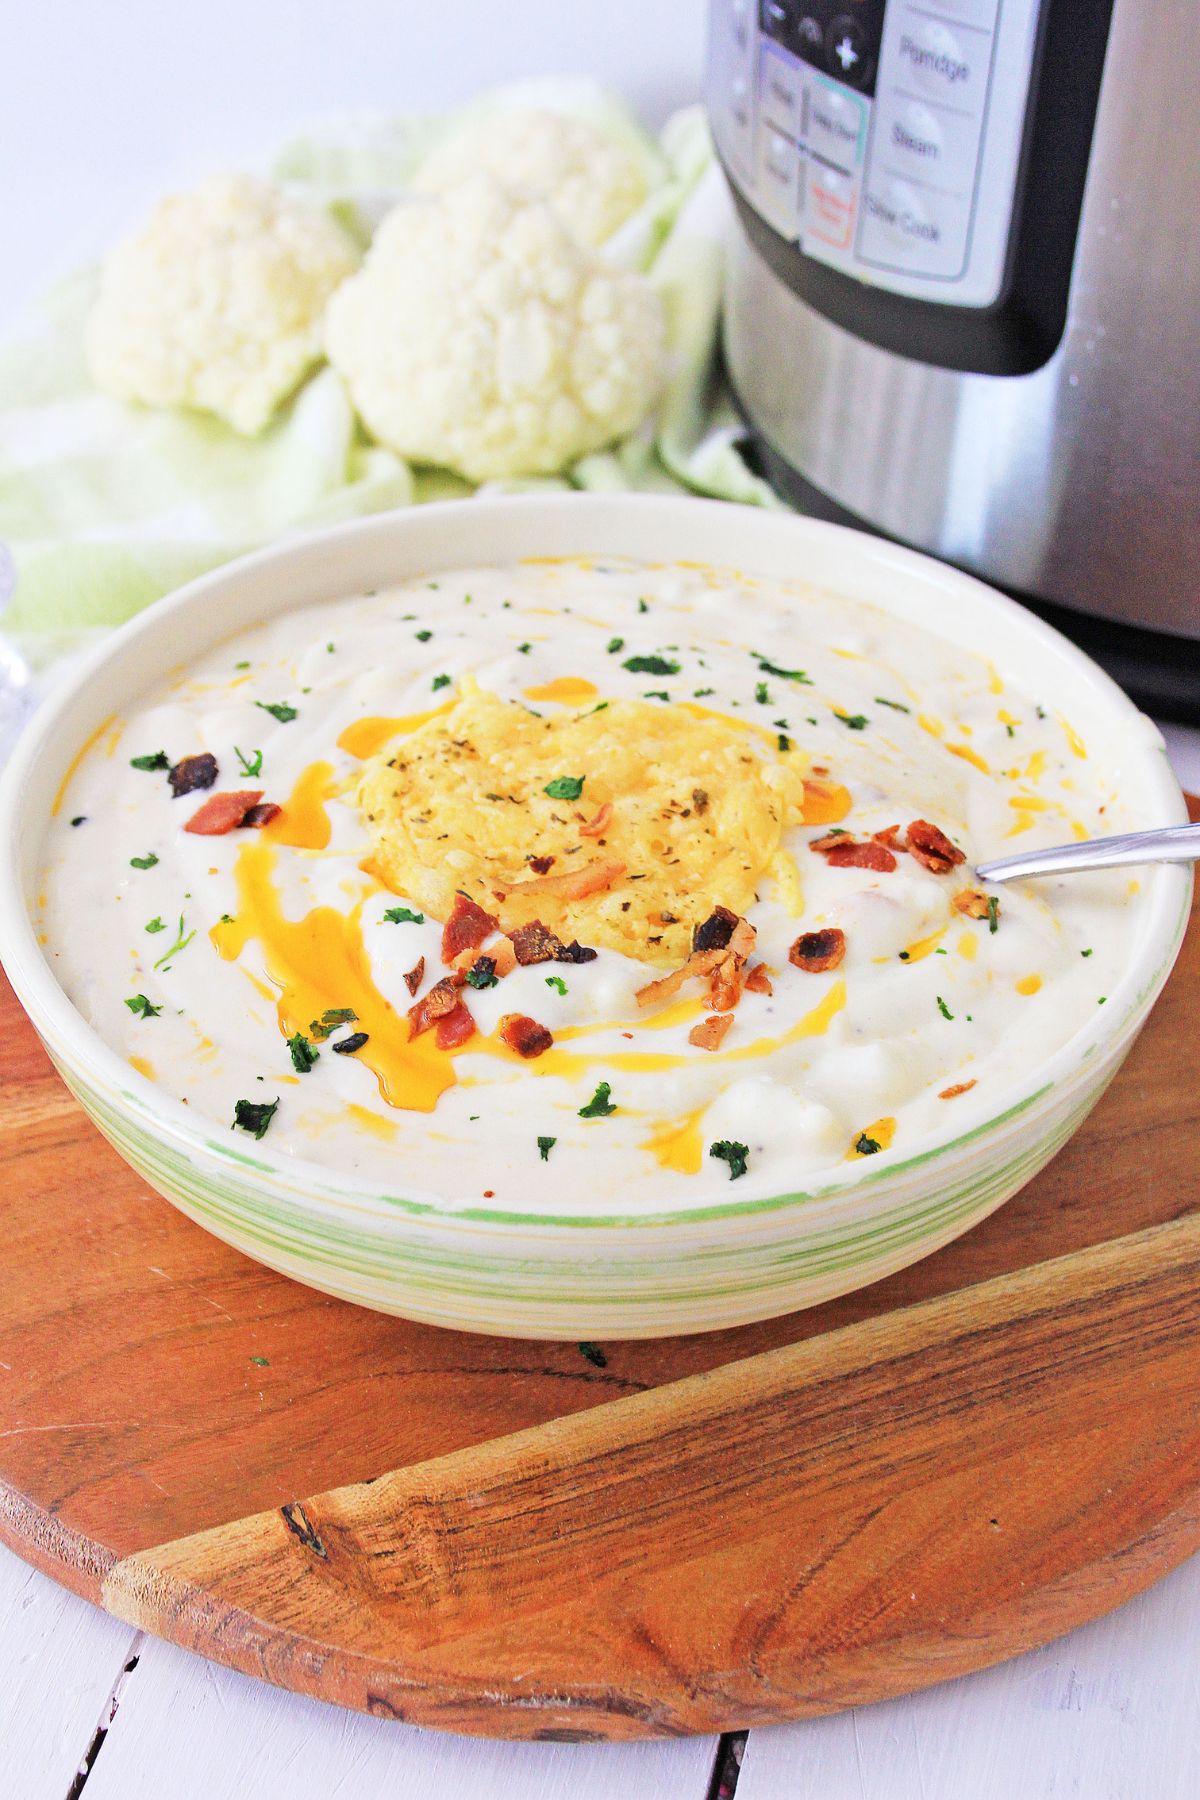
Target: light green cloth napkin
[{"x": 105, "y": 506}]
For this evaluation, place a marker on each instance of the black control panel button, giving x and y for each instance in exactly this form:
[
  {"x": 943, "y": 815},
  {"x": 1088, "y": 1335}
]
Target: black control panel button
[
  {"x": 839, "y": 37},
  {"x": 849, "y": 54},
  {"x": 778, "y": 19}
]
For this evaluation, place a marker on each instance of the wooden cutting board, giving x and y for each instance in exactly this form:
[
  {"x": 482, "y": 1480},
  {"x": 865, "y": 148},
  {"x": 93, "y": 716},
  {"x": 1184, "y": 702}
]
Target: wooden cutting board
[{"x": 680, "y": 1535}]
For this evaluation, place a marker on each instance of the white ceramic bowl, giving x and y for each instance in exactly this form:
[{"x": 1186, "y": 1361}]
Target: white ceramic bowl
[{"x": 694, "y": 1266}]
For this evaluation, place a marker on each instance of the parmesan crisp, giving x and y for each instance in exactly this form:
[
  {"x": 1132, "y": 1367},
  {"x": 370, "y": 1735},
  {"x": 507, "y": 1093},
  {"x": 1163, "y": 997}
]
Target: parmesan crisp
[{"x": 698, "y": 807}]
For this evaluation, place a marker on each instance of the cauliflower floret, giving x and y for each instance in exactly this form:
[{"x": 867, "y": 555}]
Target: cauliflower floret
[
  {"x": 217, "y": 301},
  {"x": 481, "y": 336},
  {"x": 592, "y": 182}
]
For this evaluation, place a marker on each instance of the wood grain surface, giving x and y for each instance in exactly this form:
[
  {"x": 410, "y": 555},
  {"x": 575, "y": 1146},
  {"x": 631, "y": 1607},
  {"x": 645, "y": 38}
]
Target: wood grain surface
[{"x": 497, "y": 1536}]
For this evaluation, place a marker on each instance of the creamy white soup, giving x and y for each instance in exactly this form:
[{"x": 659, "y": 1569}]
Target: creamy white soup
[{"x": 574, "y": 882}]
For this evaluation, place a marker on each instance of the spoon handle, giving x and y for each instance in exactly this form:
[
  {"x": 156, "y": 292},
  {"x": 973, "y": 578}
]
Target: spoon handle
[{"x": 1170, "y": 843}]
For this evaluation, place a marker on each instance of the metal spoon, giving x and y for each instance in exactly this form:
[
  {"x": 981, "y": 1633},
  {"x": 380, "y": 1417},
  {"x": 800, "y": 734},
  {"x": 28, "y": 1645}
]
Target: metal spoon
[{"x": 1170, "y": 843}]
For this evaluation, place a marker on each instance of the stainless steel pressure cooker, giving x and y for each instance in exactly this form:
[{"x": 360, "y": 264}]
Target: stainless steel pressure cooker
[{"x": 964, "y": 297}]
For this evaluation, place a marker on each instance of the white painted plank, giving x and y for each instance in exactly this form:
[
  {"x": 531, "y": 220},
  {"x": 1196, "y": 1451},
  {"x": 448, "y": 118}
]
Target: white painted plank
[
  {"x": 194, "y": 1731},
  {"x": 1111, "y": 1712},
  {"x": 59, "y": 1659}
]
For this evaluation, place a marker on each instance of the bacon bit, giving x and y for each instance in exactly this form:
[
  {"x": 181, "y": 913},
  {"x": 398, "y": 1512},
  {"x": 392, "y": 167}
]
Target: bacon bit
[
  {"x": 466, "y": 928},
  {"x": 887, "y": 837},
  {"x": 952, "y": 1093},
  {"x": 223, "y": 812},
  {"x": 574, "y": 952},
  {"x": 816, "y": 951},
  {"x": 525, "y": 1035},
  {"x": 700, "y": 802},
  {"x": 971, "y": 902},
  {"x": 541, "y": 865},
  {"x": 262, "y": 814},
  {"x": 192, "y": 772},
  {"x": 758, "y": 981},
  {"x": 534, "y": 943},
  {"x": 576, "y": 884},
  {"x": 504, "y": 956},
  {"x": 700, "y": 962},
  {"x": 455, "y": 1028},
  {"x": 441, "y": 1000},
  {"x": 932, "y": 847},
  {"x": 415, "y": 976},
  {"x": 716, "y": 931},
  {"x": 729, "y": 977},
  {"x": 860, "y": 856},
  {"x": 600, "y": 823},
  {"x": 709, "y": 1033},
  {"x": 831, "y": 838}
]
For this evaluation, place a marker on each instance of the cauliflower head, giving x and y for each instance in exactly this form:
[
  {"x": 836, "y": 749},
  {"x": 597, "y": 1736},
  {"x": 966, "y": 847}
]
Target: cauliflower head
[
  {"x": 482, "y": 336},
  {"x": 592, "y": 182},
  {"x": 217, "y": 302}
]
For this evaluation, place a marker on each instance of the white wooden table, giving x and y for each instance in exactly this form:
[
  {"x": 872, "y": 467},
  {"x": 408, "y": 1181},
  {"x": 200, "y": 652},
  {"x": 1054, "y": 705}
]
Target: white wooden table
[{"x": 102, "y": 108}]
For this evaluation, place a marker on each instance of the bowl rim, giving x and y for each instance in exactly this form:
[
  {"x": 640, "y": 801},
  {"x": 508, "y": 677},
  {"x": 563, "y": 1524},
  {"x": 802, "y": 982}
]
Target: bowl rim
[{"x": 83, "y": 1048}]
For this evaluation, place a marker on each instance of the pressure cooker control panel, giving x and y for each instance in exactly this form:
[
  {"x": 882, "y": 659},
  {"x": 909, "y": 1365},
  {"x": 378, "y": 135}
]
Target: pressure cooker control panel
[{"x": 882, "y": 137}]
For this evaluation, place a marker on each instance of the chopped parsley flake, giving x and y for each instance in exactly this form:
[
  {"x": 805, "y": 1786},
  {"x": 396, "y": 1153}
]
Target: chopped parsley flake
[
  {"x": 855, "y": 721},
  {"x": 303, "y": 1054},
  {"x": 703, "y": 693},
  {"x": 278, "y": 709},
  {"x": 524, "y": 649},
  {"x": 894, "y": 704},
  {"x": 783, "y": 742},
  {"x": 155, "y": 925},
  {"x": 440, "y": 681},
  {"x": 545, "y": 1146},
  {"x": 330, "y": 1020},
  {"x": 556, "y": 981},
  {"x": 143, "y": 862},
  {"x": 331, "y": 648},
  {"x": 1011, "y": 729},
  {"x": 482, "y": 973},
  {"x": 401, "y": 915},
  {"x": 226, "y": 919},
  {"x": 770, "y": 668},
  {"x": 615, "y": 644},
  {"x": 260, "y": 1362},
  {"x": 943, "y": 1008},
  {"x": 181, "y": 943},
  {"x": 241, "y": 665},
  {"x": 904, "y": 956},
  {"x": 348, "y": 1045},
  {"x": 423, "y": 637},
  {"x": 993, "y": 914},
  {"x": 867, "y": 1146},
  {"x": 142, "y": 1007},
  {"x": 252, "y": 764},
  {"x": 1103, "y": 1000},
  {"x": 565, "y": 787},
  {"x": 594, "y": 1354},
  {"x": 761, "y": 694},
  {"x": 254, "y": 1116},
  {"x": 79, "y": 819},
  {"x": 599, "y": 1106},
  {"x": 735, "y": 1154},
  {"x": 657, "y": 694},
  {"x": 1085, "y": 953},
  {"x": 650, "y": 665},
  {"x": 159, "y": 760},
  {"x": 643, "y": 606}
]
